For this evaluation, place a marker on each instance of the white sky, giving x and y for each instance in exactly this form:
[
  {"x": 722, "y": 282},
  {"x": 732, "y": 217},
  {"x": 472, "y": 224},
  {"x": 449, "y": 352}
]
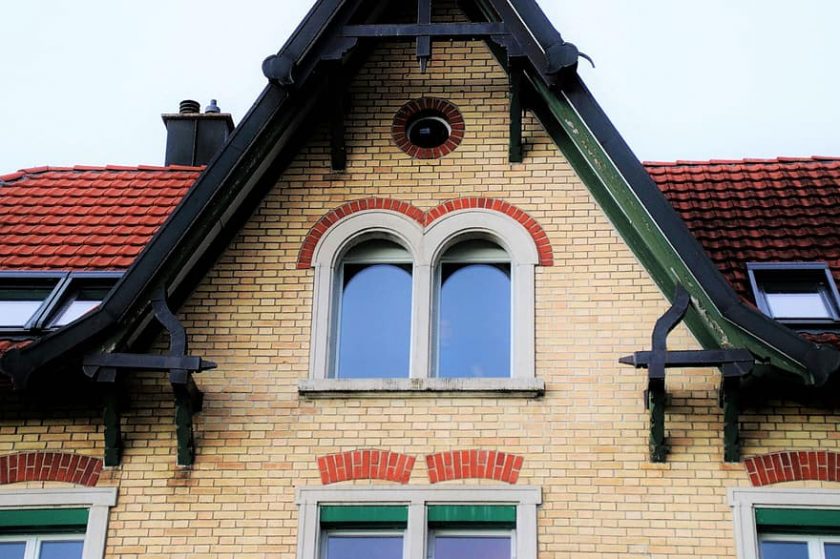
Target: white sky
[{"x": 85, "y": 81}]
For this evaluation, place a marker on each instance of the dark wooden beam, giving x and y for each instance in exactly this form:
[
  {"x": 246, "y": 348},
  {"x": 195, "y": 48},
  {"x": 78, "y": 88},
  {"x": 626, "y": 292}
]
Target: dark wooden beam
[
  {"x": 113, "y": 427},
  {"x": 188, "y": 401},
  {"x": 730, "y": 400},
  {"x": 424, "y": 42},
  {"x": 412, "y": 31},
  {"x": 336, "y": 111},
  {"x": 515, "y": 151}
]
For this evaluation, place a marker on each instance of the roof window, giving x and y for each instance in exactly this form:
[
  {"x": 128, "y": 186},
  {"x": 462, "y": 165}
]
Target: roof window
[
  {"x": 35, "y": 301},
  {"x": 797, "y": 293}
]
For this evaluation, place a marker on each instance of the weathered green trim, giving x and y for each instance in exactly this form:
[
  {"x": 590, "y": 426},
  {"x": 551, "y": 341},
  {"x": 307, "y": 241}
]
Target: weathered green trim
[
  {"x": 358, "y": 516},
  {"x": 644, "y": 237},
  {"x": 40, "y": 519},
  {"x": 450, "y": 516},
  {"x": 782, "y": 519}
]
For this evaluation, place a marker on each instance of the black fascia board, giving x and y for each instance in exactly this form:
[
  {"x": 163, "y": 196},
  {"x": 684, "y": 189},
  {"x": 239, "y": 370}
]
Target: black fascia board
[{"x": 821, "y": 361}]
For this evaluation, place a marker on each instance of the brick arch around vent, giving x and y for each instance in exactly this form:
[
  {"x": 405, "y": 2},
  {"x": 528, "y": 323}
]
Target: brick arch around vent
[
  {"x": 50, "y": 466},
  {"x": 307, "y": 250},
  {"x": 780, "y": 467}
]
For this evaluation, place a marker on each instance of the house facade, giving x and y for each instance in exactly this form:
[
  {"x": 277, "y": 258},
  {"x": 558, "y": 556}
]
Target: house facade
[{"x": 386, "y": 320}]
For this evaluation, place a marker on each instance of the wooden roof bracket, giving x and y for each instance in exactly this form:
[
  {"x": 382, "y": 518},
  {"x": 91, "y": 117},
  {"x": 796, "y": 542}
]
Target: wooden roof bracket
[
  {"x": 103, "y": 367},
  {"x": 733, "y": 364}
]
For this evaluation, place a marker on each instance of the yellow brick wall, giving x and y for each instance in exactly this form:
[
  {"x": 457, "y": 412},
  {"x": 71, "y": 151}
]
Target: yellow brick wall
[{"x": 585, "y": 442}]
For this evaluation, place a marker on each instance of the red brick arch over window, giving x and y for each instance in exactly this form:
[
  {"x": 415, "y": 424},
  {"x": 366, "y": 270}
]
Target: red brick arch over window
[
  {"x": 779, "y": 467},
  {"x": 536, "y": 231},
  {"x": 365, "y": 464},
  {"x": 475, "y": 464},
  {"x": 50, "y": 466}
]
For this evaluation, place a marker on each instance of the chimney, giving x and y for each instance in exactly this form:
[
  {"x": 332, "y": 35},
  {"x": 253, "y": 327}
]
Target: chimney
[{"x": 194, "y": 138}]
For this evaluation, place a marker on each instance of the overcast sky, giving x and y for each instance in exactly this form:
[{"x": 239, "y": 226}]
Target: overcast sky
[{"x": 84, "y": 82}]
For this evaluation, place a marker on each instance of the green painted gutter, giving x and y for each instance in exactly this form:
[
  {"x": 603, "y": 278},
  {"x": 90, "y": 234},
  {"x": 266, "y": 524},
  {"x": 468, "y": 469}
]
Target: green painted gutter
[{"x": 645, "y": 237}]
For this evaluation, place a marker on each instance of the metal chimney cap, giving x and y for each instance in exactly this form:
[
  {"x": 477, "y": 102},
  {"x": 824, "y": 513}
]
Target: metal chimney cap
[
  {"x": 188, "y": 106},
  {"x": 213, "y": 107}
]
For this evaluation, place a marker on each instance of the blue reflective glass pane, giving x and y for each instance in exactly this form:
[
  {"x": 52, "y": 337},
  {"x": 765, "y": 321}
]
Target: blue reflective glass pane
[
  {"x": 474, "y": 321},
  {"x": 12, "y": 550},
  {"x": 364, "y": 547},
  {"x": 375, "y": 323},
  {"x": 784, "y": 550},
  {"x": 462, "y": 547},
  {"x": 68, "y": 549},
  {"x": 832, "y": 551}
]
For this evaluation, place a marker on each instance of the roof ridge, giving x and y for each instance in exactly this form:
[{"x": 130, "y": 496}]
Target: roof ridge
[
  {"x": 744, "y": 161},
  {"x": 97, "y": 168}
]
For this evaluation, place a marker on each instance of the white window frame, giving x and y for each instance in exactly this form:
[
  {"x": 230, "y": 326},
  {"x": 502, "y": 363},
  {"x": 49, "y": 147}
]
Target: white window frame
[
  {"x": 425, "y": 246},
  {"x": 417, "y": 498},
  {"x": 97, "y": 500},
  {"x": 745, "y": 501}
]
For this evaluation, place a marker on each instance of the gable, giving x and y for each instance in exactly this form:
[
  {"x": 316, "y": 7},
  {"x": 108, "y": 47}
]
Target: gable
[{"x": 308, "y": 74}]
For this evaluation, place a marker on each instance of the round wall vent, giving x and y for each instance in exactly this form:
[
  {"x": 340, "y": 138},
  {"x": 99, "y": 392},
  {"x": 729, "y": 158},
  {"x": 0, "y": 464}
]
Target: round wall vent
[{"x": 428, "y": 128}]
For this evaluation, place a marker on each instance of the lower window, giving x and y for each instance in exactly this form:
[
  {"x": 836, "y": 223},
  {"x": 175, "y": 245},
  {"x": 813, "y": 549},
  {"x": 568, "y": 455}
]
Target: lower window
[
  {"x": 418, "y": 523},
  {"x": 786, "y": 523},
  {"x": 54, "y": 523}
]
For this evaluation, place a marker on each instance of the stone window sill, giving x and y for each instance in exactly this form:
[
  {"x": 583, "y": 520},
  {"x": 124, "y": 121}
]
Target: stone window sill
[{"x": 422, "y": 388}]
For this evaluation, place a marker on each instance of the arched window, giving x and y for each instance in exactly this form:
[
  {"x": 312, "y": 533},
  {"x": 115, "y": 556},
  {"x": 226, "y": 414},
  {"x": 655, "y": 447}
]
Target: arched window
[
  {"x": 420, "y": 306},
  {"x": 473, "y": 323},
  {"x": 373, "y": 334}
]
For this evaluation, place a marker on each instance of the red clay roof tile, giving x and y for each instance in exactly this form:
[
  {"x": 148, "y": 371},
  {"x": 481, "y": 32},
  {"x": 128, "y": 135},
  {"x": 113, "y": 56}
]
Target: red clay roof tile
[
  {"x": 758, "y": 210},
  {"x": 85, "y": 218}
]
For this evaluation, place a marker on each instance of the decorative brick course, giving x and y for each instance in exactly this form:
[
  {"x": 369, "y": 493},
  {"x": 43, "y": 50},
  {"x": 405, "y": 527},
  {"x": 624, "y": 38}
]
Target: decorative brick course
[
  {"x": 425, "y": 219},
  {"x": 365, "y": 464},
  {"x": 779, "y": 467},
  {"x": 476, "y": 464},
  {"x": 50, "y": 466}
]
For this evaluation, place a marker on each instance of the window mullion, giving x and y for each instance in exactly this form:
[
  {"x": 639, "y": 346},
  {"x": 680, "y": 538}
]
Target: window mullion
[
  {"x": 415, "y": 533},
  {"x": 421, "y": 317}
]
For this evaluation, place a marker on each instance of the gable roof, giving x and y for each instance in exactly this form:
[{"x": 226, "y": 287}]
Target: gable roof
[
  {"x": 268, "y": 137},
  {"x": 85, "y": 218}
]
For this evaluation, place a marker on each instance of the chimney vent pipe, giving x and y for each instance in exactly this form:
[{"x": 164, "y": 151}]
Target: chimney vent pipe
[{"x": 188, "y": 106}]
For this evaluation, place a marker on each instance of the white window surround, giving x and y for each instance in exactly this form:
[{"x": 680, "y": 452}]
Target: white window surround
[
  {"x": 744, "y": 502},
  {"x": 425, "y": 247},
  {"x": 417, "y": 498},
  {"x": 96, "y": 500}
]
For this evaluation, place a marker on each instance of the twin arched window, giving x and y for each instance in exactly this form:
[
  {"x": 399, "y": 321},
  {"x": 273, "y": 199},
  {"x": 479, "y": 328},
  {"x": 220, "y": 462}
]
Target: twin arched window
[{"x": 396, "y": 300}]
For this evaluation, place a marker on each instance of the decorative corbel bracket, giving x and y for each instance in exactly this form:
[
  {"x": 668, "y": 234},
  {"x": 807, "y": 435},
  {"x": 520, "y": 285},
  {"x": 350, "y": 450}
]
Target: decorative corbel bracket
[
  {"x": 733, "y": 364},
  {"x": 104, "y": 368}
]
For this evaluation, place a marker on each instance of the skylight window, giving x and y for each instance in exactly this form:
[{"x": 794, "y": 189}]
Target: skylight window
[
  {"x": 796, "y": 293},
  {"x": 37, "y": 301}
]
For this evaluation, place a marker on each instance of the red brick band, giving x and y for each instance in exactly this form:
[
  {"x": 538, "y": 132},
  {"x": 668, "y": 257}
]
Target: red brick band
[
  {"x": 779, "y": 467},
  {"x": 425, "y": 219},
  {"x": 365, "y": 464},
  {"x": 50, "y": 466},
  {"x": 475, "y": 464}
]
